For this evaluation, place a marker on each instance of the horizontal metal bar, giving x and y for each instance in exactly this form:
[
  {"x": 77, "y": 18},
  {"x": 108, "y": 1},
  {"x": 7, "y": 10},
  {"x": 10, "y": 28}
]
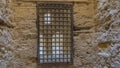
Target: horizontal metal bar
[
  {"x": 55, "y": 29},
  {"x": 54, "y": 58},
  {"x": 55, "y": 42},
  {"x": 65, "y": 37},
  {"x": 56, "y": 12},
  {"x": 53, "y": 25},
  {"x": 55, "y": 17},
  {"x": 55, "y": 8},
  {"x": 56, "y": 21}
]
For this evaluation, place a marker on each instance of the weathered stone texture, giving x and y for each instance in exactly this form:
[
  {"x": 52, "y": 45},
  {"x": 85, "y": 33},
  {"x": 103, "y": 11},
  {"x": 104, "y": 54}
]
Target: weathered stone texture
[
  {"x": 108, "y": 19},
  {"x": 5, "y": 13},
  {"x": 6, "y": 54},
  {"x": 96, "y": 43},
  {"x": 88, "y": 44}
]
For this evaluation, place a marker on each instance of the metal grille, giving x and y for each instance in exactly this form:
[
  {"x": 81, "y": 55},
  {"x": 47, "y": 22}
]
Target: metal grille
[{"x": 54, "y": 23}]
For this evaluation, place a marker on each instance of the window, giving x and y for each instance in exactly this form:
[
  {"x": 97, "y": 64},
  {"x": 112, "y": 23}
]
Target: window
[{"x": 55, "y": 32}]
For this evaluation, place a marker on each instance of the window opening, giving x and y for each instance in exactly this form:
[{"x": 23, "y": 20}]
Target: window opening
[{"x": 55, "y": 32}]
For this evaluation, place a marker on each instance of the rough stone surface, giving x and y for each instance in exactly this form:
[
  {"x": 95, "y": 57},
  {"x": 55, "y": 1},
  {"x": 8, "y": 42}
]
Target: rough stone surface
[
  {"x": 5, "y": 13},
  {"x": 6, "y": 48},
  {"x": 108, "y": 18},
  {"x": 96, "y": 34}
]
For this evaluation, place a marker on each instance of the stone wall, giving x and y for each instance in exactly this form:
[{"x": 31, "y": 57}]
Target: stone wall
[
  {"x": 6, "y": 48},
  {"x": 25, "y": 34},
  {"x": 22, "y": 37},
  {"x": 96, "y": 38},
  {"x": 84, "y": 35},
  {"x": 108, "y": 31}
]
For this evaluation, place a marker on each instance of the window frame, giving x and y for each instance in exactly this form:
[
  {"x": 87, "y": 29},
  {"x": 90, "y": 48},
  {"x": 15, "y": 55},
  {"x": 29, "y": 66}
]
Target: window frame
[{"x": 38, "y": 31}]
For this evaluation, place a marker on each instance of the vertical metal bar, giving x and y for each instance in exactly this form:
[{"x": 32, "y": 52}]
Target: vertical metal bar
[
  {"x": 37, "y": 25},
  {"x": 59, "y": 36},
  {"x": 67, "y": 39},
  {"x": 64, "y": 40},
  {"x": 55, "y": 37},
  {"x": 43, "y": 37},
  {"x": 47, "y": 35},
  {"x": 63, "y": 30},
  {"x": 72, "y": 45},
  {"x": 51, "y": 36}
]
